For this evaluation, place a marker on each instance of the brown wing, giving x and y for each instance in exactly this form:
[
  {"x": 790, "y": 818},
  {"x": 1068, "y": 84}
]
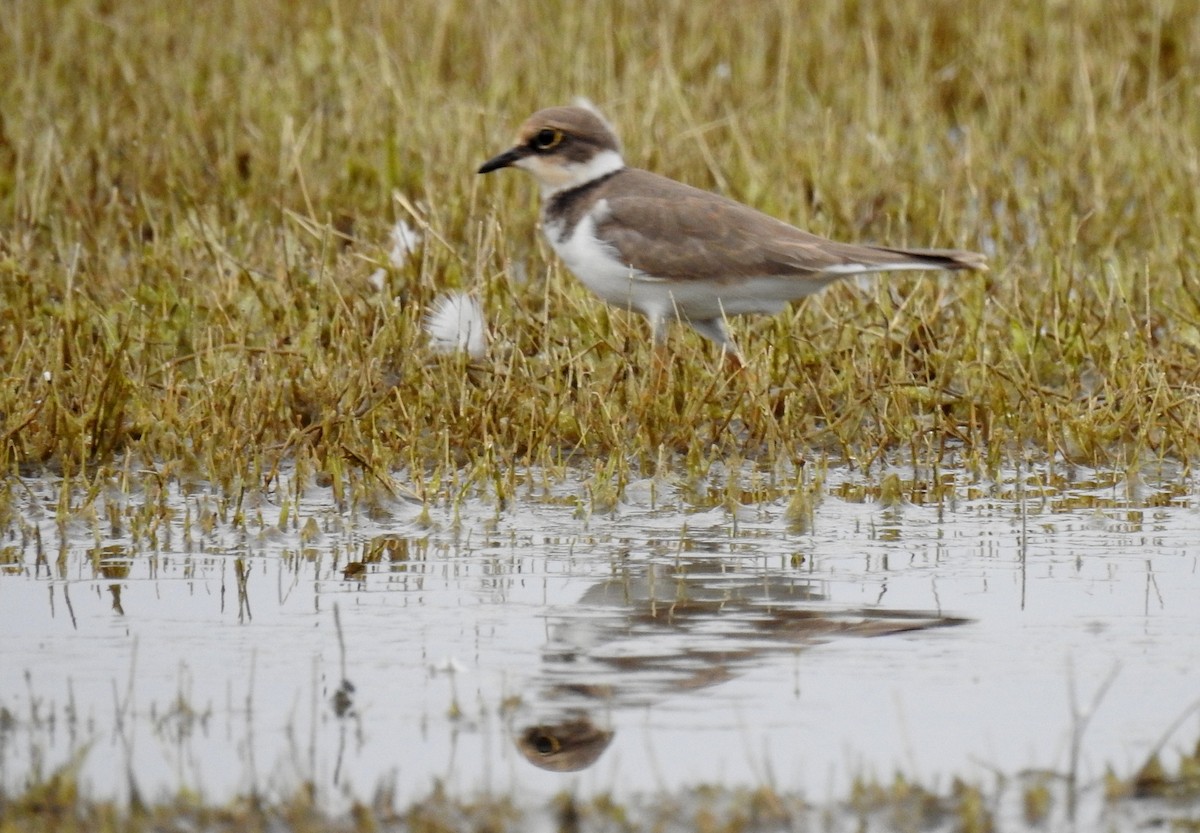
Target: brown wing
[{"x": 671, "y": 230}]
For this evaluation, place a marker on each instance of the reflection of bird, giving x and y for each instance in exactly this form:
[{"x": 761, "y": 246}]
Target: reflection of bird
[
  {"x": 673, "y": 252},
  {"x": 650, "y": 633},
  {"x": 567, "y": 746}
]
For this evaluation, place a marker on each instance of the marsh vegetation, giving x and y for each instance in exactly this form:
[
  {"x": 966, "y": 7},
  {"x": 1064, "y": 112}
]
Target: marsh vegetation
[{"x": 207, "y": 315}]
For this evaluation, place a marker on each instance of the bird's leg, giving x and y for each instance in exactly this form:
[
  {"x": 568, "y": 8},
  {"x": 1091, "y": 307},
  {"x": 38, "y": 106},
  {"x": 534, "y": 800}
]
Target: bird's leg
[
  {"x": 734, "y": 363},
  {"x": 715, "y": 330},
  {"x": 660, "y": 363}
]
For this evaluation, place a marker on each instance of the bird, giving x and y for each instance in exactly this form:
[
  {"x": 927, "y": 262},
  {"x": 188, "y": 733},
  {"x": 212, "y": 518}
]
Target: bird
[{"x": 673, "y": 252}]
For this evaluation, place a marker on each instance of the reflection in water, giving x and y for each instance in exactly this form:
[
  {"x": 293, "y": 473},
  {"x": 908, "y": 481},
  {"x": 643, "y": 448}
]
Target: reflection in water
[
  {"x": 117, "y": 607},
  {"x": 668, "y": 645},
  {"x": 654, "y": 631},
  {"x": 567, "y": 746}
]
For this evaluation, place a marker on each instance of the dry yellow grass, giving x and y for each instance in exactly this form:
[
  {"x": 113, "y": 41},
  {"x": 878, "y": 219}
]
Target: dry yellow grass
[{"x": 192, "y": 199}]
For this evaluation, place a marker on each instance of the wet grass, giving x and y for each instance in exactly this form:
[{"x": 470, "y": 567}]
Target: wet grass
[
  {"x": 193, "y": 203},
  {"x": 1157, "y": 795}
]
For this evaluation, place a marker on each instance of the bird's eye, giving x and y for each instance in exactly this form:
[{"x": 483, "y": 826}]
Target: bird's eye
[
  {"x": 545, "y": 744},
  {"x": 547, "y": 138}
]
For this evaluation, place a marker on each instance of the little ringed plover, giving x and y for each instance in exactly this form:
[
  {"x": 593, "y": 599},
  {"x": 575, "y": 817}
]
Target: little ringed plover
[{"x": 673, "y": 252}]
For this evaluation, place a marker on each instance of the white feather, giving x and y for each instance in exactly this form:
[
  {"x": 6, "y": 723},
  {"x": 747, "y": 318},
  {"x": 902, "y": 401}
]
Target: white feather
[
  {"x": 405, "y": 240},
  {"x": 456, "y": 323}
]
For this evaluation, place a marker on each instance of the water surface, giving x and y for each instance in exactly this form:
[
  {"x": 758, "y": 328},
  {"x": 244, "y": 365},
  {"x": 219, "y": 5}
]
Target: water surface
[{"x": 543, "y": 647}]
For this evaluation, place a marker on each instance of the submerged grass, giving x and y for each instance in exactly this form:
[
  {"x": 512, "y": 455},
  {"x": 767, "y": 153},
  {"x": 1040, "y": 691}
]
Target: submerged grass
[{"x": 193, "y": 202}]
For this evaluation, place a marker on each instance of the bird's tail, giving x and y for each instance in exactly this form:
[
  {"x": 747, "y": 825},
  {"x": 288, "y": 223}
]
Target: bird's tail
[{"x": 936, "y": 258}]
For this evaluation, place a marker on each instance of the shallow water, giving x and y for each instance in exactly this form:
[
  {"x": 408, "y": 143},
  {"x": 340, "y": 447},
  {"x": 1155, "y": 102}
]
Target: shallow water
[{"x": 657, "y": 646}]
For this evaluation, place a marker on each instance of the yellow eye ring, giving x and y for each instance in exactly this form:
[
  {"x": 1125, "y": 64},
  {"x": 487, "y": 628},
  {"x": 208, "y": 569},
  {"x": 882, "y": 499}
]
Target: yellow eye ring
[{"x": 547, "y": 138}]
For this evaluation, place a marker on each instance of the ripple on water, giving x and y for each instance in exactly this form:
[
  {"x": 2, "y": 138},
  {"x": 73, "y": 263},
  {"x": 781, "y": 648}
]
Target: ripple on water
[{"x": 660, "y": 645}]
